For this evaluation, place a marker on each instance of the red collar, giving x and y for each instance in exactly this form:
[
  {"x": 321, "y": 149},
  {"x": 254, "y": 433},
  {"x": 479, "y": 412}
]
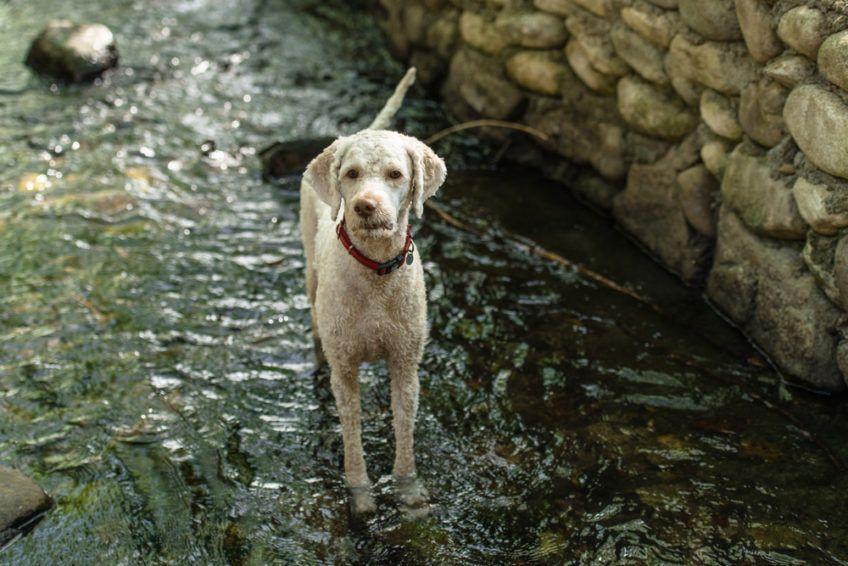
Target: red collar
[{"x": 405, "y": 256}]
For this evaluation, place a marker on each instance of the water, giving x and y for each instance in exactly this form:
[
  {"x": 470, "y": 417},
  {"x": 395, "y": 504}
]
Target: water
[{"x": 156, "y": 373}]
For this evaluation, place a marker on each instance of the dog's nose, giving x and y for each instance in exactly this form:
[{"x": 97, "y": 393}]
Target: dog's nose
[{"x": 364, "y": 207}]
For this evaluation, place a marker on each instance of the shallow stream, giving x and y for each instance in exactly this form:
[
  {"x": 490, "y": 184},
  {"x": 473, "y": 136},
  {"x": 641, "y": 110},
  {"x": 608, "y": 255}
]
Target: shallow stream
[{"x": 156, "y": 372}]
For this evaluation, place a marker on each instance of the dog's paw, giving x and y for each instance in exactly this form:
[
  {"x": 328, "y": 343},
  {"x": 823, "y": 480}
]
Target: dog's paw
[
  {"x": 411, "y": 493},
  {"x": 362, "y": 501}
]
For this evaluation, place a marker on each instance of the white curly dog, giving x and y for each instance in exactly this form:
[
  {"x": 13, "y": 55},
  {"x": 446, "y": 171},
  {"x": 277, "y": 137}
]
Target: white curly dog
[{"x": 365, "y": 280}]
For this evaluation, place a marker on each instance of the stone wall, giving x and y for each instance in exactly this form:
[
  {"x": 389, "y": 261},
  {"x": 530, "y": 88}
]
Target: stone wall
[{"x": 716, "y": 132}]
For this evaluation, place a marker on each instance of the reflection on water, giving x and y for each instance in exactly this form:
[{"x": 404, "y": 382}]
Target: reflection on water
[{"x": 157, "y": 375}]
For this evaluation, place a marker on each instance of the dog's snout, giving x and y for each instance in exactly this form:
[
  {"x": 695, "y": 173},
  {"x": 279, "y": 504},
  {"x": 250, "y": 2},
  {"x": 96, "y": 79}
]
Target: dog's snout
[{"x": 364, "y": 207}]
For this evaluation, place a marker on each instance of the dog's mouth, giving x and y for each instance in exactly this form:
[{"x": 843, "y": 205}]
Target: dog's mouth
[{"x": 375, "y": 228}]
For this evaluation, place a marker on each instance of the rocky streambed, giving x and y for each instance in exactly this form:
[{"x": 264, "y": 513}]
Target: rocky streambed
[{"x": 156, "y": 373}]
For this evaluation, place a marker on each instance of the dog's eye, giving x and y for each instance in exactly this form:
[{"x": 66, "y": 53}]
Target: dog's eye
[
  {"x": 395, "y": 174},
  {"x": 352, "y": 174}
]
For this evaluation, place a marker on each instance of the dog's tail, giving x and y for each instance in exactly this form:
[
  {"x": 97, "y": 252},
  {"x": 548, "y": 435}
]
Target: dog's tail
[{"x": 393, "y": 104}]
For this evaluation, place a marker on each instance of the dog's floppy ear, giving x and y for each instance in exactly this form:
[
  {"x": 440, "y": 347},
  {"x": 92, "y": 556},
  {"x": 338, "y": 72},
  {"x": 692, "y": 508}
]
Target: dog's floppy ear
[
  {"x": 428, "y": 173},
  {"x": 322, "y": 174}
]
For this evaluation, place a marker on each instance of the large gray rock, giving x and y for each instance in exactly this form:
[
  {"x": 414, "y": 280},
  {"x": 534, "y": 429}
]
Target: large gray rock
[
  {"x": 558, "y": 7},
  {"x": 643, "y": 56},
  {"x": 698, "y": 192},
  {"x": 761, "y": 111},
  {"x": 833, "y": 59},
  {"x": 291, "y": 157},
  {"x": 73, "y": 52},
  {"x": 725, "y": 67},
  {"x": 840, "y": 275},
  {"x": 765, "y": 288},
  {"x": 714, "y": 154},
  {"x": 654, "y": 24},
  {"x": 670, "y": 4},
  {"x": 763, "y": 201},
  {"x": 713, "y": 19},
  {"x": 824, "y": 207},
  {"x": 654, "y": 111},
  {"x": 789, "y": 69},
  {"x": 537, "y": 71},
  {"x": 593, "y": 35},
  {"x": 758, "y": 29},
  {"x": 818, "y": 122},
  {"x": 416, "y": 19},
  {"x": 803, "y": 29},
  {"x": 532, "y": 29},
  {"x": 842, "y": 356},
  {"x": 481, "y": 33},
  {"x": 720, "y": 114},
  {"x": 21, "y": 503},
  {"x": 649, "y": 208},
  {"x": 582, "y": 128},
  {"x": 597, "y": 7},
  {"x": 820, "y": 256},
  {"x": 579, "y": 61},
  {"x": 475, "y": 86}
]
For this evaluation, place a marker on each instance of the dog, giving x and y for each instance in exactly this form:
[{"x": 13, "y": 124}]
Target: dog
[{"x": 365, "y": 280}]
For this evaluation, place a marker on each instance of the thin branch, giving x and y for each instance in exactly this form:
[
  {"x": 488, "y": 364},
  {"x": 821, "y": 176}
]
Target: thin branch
[
  {"x": 543, "y": 253},
  {"x": 487, "y": 124}
]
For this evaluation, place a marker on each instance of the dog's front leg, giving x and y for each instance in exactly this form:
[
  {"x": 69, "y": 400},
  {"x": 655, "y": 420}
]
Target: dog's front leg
[
  {"x": 405, "y": 387},
  {"x": 345, "y": 384}
]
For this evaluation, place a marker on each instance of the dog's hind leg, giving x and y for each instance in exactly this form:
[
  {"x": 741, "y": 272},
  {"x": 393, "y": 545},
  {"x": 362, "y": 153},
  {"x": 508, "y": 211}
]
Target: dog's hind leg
[{"x": 308, "y": 231}]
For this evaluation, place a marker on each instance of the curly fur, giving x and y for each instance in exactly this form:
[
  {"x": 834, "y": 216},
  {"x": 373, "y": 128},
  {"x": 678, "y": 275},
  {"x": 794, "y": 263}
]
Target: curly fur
[{"x": 358, "y": 316}]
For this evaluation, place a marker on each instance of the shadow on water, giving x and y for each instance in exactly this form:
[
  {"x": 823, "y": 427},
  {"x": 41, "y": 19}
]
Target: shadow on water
[{"x": 156, "y": 375}]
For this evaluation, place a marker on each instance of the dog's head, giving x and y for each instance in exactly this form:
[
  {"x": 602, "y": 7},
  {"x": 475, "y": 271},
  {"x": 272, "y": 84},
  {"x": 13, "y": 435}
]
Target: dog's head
[{"x": 379, "y": 176}]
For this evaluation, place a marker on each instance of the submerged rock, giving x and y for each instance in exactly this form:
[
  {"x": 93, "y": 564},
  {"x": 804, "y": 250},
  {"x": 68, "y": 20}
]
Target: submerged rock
[
  {"x": 21, "y": 503},
  {"x": 73, "y": 52},
  {"x": 290, "y": 157}
]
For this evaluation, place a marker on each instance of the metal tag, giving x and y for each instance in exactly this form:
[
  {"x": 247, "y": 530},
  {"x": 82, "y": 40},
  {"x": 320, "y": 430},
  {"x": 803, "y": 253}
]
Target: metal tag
[{"x": 409, "y": 259}]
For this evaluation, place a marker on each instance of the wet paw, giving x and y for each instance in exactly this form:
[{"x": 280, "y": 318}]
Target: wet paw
[
  {"x": 362, "y": 501},
  {"x": 411, "y": 493}
]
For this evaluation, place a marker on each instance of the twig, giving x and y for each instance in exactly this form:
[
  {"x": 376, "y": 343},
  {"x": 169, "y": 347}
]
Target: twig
[
  {"x": 543, "y": 253},
  {"x": 487, "y": 124}
]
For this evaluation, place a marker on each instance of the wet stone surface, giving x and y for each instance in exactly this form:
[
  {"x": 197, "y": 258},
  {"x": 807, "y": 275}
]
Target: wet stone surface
[
  {"x": 156, "y": 373},
  {"x": 22, "y": 503},
  {"x": 73, "y": 52}
]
